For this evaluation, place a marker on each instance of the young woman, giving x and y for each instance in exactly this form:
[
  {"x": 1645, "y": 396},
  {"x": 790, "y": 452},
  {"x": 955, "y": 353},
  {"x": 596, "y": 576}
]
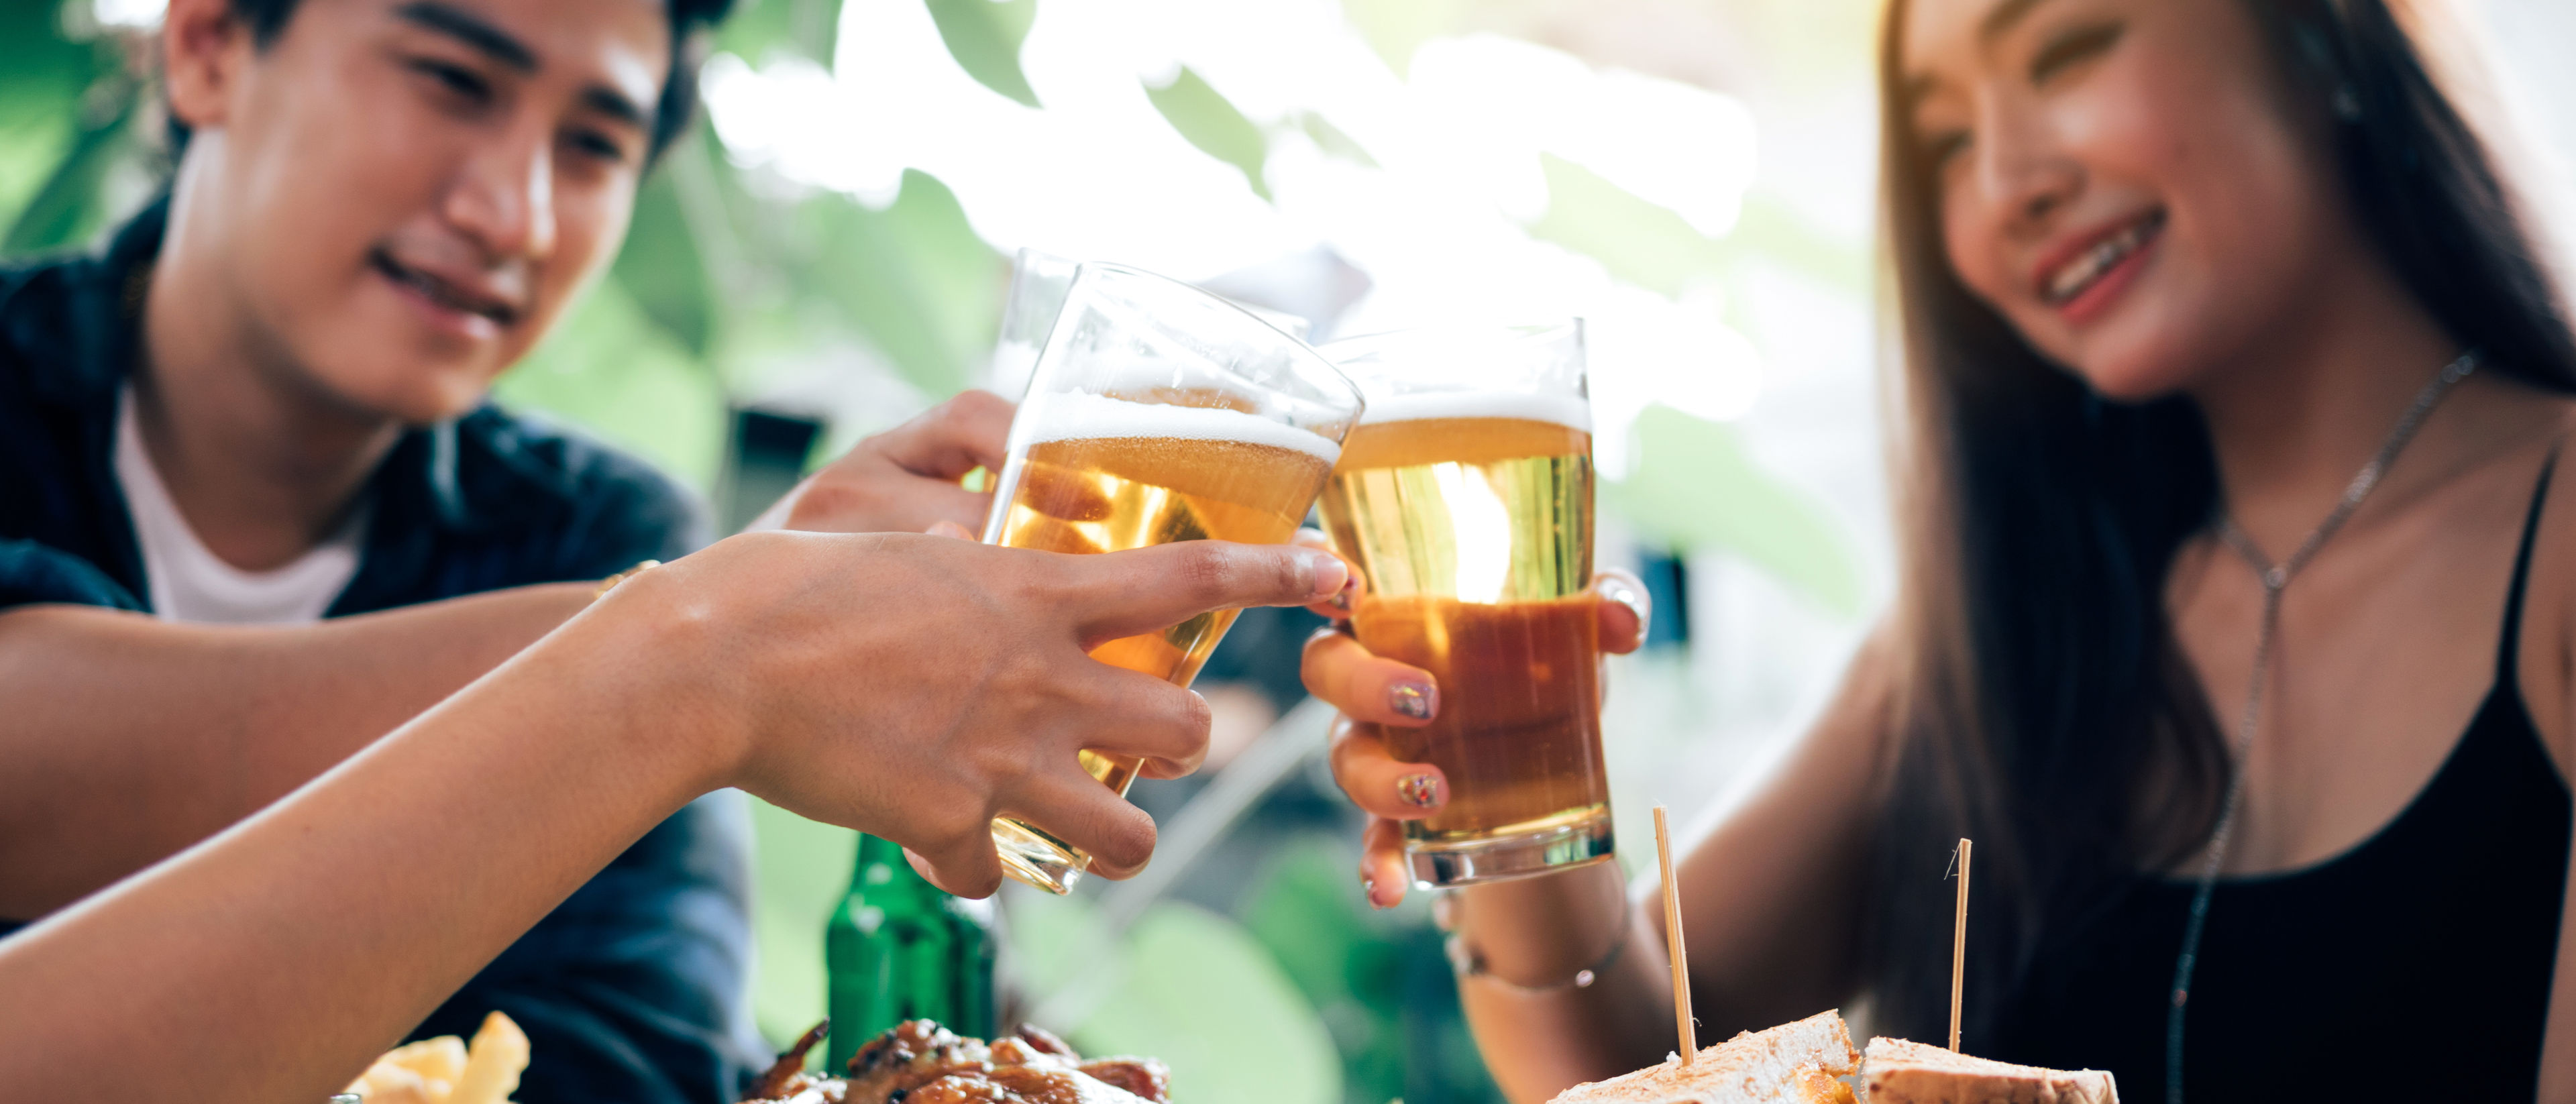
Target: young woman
[{"x": 2170, "y": 273}]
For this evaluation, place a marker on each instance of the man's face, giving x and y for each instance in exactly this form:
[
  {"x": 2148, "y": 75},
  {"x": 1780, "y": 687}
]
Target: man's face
[{"x": 404, "y": 193}]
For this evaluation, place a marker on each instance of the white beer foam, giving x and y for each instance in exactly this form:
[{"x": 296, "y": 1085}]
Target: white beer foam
[
  {"x": 1079, "y": 415},
  {"x": 1565, "y": 410}
]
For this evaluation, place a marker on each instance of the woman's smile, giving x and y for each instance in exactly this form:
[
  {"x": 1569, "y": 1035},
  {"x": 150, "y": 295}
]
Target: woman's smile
[{"x": 2082, "y": 276}]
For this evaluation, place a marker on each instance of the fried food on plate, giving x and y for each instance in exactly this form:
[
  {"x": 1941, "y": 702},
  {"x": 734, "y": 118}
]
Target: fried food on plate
[
  {"x": 920, "y": 1062},
  {"x": 446, "y": 1071}
]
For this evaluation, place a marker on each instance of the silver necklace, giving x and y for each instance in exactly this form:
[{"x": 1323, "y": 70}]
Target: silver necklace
[{"x": 2276, "y": 578}]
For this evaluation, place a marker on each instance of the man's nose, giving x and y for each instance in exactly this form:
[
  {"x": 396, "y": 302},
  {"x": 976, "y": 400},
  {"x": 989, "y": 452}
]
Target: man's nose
[{"x": 503, "y": 197}]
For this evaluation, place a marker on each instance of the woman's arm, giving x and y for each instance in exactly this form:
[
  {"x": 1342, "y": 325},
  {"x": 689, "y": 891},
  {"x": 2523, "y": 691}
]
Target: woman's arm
[
  {"x": 910, "y": 687},
  {"x": 1770, "y": 896}
]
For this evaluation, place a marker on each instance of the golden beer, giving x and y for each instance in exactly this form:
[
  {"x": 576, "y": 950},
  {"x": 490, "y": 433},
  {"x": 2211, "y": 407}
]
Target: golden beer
[
  {"x": 1106, "y": 475},
  {"x": 1471, "y": 515}
]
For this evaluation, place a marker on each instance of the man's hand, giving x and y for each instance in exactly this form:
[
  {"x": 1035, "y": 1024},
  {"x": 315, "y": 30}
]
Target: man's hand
[
  {"x": 905, "y": 479},
  {"x": 915, "y": 688}
]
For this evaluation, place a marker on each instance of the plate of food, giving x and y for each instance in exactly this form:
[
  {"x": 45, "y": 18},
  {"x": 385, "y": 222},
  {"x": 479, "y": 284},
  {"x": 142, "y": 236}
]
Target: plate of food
[{"x": 920, "y": 1062}]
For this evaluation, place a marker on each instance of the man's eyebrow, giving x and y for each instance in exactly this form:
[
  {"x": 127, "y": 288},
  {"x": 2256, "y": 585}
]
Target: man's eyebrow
[
  {"x": 471, "y": 29},
  {"x": 2002, "y": 16},
  {"x": 614, "y": 104}
]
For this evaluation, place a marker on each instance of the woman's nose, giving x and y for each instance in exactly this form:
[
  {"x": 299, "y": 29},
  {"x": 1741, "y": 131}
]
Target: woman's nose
[{"x": 2022, "y": 173}]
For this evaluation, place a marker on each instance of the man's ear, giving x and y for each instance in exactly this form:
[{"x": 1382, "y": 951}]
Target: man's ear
[{"x": 204, "y": 47}]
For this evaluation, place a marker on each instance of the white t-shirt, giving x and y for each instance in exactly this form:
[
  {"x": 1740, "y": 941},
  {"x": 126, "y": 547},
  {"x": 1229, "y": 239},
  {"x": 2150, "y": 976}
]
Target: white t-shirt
[{"x": 190, "y": 583}]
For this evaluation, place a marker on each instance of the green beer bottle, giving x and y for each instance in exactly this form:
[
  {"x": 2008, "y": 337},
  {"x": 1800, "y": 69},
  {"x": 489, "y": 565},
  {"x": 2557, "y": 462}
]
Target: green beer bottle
[{"x": 900, "y": 948}]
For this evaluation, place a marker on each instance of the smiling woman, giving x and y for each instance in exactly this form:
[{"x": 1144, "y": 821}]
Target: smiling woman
[
  {"x": 2150, "y": 256},
  {"x": 2168, "y": 273}
]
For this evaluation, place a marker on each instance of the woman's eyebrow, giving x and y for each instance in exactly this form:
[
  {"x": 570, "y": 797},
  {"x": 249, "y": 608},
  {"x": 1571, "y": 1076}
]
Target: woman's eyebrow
[{"x": 2003, "y": 16}]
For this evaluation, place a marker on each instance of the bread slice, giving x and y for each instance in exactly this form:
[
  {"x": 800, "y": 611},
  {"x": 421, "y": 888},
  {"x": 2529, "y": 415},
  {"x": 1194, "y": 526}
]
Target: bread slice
[
  {"x": 1794, "y": 1062},
  {"x": 1903, "y": 1072}
]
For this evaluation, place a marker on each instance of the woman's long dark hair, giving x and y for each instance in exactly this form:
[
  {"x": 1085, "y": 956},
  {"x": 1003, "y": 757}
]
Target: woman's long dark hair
[{"x": 2042, "y": 705}]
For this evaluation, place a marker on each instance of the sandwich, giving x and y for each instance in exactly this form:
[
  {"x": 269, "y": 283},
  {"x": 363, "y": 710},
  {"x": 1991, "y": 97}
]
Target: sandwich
[
  {"x": 1799, "y": 1063},
  {"x": 1903, "y": 1072}
]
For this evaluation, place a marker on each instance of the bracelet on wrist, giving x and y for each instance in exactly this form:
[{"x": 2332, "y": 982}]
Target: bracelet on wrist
[{"x": 1467, "y": 962}]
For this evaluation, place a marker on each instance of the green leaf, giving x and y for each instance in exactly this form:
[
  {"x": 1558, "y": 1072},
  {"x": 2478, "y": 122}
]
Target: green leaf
[
  {"x": 1396, "y": 28},
  {"x": 607, "y": 370},
  {"x": 1640, "y": 242},
  {"x": 1211, "y": 122},
  {"x": 1696, "y": 489},
  {"x": 661, "y": 268},
  {"x": 764, "y": 28},
  {"x": 1331, "y": 140},
  {"x": 912, "y": 278},
  {"x": 985, "y": 36},
  {"x": 1654, "y": 247}
]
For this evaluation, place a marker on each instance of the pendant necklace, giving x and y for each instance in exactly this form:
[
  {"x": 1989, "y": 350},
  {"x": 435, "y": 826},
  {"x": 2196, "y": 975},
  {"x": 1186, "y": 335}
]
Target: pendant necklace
[{"x": 2275, "y": 578}]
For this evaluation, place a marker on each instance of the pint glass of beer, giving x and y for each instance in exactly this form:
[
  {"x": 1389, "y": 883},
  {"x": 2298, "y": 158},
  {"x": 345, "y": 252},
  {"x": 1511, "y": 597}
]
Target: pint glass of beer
[
  {"x": 1158, "y": 413},
  {"x": 1465, "y": 496}
]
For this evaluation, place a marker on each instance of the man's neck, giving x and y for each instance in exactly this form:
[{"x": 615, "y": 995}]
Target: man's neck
[
  {"x": 2294, "y": 420},
  {"x": 262, "y": 462}
]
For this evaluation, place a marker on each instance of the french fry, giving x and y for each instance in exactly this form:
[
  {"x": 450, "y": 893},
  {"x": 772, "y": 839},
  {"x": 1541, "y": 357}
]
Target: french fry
[
  {"x": 387, "y": 1083},
  {"x": 492, "y": 1064},
  {"x": 440, "y": 1062}
]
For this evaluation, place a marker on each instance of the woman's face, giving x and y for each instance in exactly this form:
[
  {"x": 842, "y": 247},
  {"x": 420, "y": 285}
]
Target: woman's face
[{"x": 2126, "y": 181}]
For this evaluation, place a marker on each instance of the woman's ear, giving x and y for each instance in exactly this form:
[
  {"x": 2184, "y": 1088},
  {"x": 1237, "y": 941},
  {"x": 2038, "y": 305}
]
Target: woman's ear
[{"x": 204, "y": 47}]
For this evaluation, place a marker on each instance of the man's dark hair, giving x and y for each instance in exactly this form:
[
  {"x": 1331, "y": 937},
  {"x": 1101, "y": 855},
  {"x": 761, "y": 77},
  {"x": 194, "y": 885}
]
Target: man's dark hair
[{"x": 671, "y": 116}]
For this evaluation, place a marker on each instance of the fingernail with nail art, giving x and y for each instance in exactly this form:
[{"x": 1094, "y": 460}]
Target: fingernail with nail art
[
  {"x": 1422, "y": 791},
  {"x": 1412, "y": 699}
]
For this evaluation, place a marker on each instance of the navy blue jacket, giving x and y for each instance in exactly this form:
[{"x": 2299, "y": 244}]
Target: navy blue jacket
[{"x": 631, "y": 992}]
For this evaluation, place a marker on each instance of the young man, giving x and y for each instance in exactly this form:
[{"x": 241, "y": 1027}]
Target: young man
[{"x": 262, "y": 404}]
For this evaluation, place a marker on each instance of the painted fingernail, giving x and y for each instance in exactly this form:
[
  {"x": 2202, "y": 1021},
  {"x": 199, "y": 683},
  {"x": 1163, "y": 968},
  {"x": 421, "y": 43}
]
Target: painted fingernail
[
  {"x": 1342, "y": 597},
  {"x": 1625, "y": 591},
  {"x": 1422, "y": 791},
  {"x": 1418, "y": 700},
  {"x": 1368, "y": 889}
]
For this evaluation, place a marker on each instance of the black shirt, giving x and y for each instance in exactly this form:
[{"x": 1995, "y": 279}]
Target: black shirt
[{"x": 633, "y": 990}]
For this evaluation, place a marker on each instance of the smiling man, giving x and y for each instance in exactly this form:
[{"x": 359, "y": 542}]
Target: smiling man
[{"x": 258, "y": 416}]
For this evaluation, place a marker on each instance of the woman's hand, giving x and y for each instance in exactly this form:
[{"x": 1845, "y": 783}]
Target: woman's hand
[
  {"x": 915, "y": 687},
  {"x": 1374, "y": 692}
]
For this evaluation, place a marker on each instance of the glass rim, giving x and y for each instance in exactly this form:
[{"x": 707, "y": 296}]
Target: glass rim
[{"x": 1296, "y": 348}]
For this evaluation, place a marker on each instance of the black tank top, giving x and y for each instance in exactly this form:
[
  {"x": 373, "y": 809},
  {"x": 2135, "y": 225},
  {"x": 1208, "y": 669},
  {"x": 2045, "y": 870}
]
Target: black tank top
[{"x": 2415, "y": 966}]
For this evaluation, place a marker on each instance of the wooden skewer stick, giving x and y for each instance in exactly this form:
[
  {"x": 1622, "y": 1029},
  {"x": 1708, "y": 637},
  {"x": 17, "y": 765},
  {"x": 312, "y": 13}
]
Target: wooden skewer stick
[
  {"x": 1959, "y": 943},
  {"x": 1682, "y": 1025}
]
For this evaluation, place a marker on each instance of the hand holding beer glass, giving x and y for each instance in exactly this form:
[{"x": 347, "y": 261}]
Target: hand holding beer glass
[
  {"x": 1159, "y": 413},
  {"x": 1465, "y": 499}
]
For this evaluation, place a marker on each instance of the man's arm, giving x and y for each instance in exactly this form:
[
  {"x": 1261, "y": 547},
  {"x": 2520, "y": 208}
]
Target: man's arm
[{"x": 126, "y": 738}]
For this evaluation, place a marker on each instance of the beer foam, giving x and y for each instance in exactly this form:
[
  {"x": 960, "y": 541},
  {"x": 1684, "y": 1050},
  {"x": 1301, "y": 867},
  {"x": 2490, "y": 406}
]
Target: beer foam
[
  {"x": 1565, "y": 410},
  {"x": 1079, "y": 415}
]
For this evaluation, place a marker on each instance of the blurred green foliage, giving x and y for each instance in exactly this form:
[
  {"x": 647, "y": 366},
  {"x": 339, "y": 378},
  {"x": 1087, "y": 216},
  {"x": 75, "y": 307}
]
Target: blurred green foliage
[
  {"x": 1210, "y": 122},
  {"x": 1696, "y": 488},
  {"x": 984, "y": 36}
]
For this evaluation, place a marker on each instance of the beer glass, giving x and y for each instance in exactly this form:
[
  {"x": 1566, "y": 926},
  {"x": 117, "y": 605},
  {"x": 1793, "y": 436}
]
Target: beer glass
[
  {"x": 1159, "y": 413},
  {"x": 1465, "y": 496},
  {"x": 1039, "y": 282}
]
